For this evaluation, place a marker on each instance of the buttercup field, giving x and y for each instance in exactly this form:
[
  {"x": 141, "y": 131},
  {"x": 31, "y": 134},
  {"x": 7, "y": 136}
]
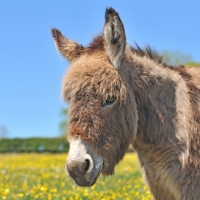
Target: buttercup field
[{"x": 42, "y": 176}]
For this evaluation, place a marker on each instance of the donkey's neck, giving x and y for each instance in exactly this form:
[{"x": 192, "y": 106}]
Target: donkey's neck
[
  {"x": 163, "y": 107},
  {"x": 154, "y": 90},
  {"x": 162, "y": 101}
]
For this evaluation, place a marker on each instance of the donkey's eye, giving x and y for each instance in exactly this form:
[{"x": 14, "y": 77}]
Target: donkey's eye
[{"x": 110, "y": 100}]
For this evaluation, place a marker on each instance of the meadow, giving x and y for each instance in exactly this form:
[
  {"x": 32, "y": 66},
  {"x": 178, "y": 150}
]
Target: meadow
[{"x": 42, "y": 176}]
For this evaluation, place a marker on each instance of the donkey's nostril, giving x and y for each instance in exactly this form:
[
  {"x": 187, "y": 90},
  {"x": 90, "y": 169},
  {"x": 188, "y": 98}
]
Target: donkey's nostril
[{"x": 86, "y": 165}]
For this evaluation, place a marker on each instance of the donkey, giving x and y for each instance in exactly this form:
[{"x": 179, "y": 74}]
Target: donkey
[{"x": 121, "y": 95}]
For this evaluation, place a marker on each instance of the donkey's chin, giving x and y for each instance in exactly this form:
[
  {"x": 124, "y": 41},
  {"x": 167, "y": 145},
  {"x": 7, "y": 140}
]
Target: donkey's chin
[{"x": 107, "y": 170}]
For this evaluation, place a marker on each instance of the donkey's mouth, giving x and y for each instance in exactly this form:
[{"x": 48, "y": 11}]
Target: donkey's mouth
[
  {"x": 85, "y": 183},
  {"x": 85, "y": 180}
]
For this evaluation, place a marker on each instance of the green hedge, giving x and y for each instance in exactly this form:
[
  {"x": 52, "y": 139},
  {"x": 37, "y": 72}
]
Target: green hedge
[{"x": 18, "y": 145}]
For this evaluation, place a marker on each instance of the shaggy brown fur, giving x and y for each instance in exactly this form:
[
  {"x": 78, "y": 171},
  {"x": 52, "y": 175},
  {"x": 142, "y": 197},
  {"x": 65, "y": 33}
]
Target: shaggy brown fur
[{"x": 157, "y": 109}]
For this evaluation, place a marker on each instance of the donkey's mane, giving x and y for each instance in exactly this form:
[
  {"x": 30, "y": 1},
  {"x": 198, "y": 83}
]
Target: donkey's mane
[
  {"x": 148, "y": 52},
  {"x": 98, "y": 45}
]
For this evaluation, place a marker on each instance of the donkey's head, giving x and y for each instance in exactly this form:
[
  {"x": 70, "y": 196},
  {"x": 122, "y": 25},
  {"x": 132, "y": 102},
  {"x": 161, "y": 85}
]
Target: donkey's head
[{"x": 102, "y": 110}]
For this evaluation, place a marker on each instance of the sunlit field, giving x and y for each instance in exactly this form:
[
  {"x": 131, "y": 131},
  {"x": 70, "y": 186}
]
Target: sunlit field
[{"x": 42, "y": 176}]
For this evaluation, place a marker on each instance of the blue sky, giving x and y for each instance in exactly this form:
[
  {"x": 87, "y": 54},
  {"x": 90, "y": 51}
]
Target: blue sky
[{"x": 31, "y": 69}]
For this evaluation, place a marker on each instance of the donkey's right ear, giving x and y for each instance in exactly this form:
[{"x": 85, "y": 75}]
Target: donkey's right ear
[
  {"x": 115, "y": 38},
  {"x": 68, "y": 48}
]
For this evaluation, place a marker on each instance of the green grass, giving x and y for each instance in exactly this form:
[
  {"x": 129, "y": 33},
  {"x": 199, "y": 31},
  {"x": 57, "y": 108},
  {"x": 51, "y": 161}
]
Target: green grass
[{"x": 42, "y": 176}]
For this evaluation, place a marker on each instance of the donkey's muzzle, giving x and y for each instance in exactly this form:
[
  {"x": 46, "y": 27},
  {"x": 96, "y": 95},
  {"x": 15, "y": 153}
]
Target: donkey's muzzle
[
  {"x": 82, "y": 171},
  {"x": 83, "y": 164}
]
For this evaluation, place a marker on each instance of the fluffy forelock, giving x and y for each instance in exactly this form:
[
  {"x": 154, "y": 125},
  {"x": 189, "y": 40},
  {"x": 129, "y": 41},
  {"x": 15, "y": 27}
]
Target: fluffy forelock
[{"x": 93, "y": 75}]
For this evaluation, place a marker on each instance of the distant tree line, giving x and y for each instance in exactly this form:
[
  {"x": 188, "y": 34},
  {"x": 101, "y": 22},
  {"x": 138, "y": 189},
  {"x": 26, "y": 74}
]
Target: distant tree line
[{"x": 39, "y": 145}]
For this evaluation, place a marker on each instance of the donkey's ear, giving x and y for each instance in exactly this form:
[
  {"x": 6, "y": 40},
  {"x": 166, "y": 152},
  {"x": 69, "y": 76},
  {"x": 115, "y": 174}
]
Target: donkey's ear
[
  {"x": 114, "y": 36},
  {"x": 68, "y": 48}
]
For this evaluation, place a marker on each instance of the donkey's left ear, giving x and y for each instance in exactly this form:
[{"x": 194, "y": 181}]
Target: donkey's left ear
[
  {"x": 68, "y": 48},
  {"x": 115, "y": 37}
]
